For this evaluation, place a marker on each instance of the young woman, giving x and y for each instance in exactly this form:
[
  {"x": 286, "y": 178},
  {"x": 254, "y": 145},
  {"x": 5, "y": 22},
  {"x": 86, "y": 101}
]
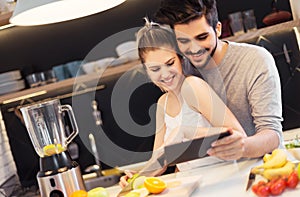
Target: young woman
[{"x": 189, "y": 108}]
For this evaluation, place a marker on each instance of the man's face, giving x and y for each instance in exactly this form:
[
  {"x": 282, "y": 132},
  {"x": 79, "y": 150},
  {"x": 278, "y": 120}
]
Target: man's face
[{"x": 197, "y": 40}]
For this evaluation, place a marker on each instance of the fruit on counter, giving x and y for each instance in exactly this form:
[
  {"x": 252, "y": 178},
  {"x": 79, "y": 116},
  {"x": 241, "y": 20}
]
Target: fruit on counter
[
  {"x": 98, "y": 192},
  {"x": 277, "y": 159},
  {"x": 276, "y": 186},
  {"x": 272, "y": 173},
  {"x": 293, "y": 144},
  {"x": 275, "y": 165},
  {"x": 292, "y": 180},
  {"x": 138, "y": 182},
  {"x": 298, "y": 170},
  {"x": 79, "y": 193},
  {"x": 155, "y": 185},
  {"x": 130, "y": 180},
  {"x": 142, "y": 192},
  {"x": 267, "y": 157},
  {"x": 52, "y": 149}
]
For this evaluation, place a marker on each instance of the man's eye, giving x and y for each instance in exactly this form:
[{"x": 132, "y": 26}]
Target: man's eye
[
  {"x": 202, "y": 37},
  {"x": 154, "y": 69}
]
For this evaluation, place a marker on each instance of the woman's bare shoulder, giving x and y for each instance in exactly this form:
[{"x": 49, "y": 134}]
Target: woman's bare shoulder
[
  {"x": 191, "y": 81},
  {"x": 162, "y": 99}
]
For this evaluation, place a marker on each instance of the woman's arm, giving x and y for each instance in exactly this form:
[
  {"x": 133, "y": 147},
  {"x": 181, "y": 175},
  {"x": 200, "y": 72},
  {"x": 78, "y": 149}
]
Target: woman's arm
[
  {"x": 201, "y": 98},
  {"x": 160, "y": 123}
]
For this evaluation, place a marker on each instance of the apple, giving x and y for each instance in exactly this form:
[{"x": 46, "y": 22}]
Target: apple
[{"x": 98, "y": 192}]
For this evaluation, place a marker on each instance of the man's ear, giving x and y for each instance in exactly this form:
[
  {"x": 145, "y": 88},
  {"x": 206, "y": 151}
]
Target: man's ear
[{"x": 219, "y": 29}]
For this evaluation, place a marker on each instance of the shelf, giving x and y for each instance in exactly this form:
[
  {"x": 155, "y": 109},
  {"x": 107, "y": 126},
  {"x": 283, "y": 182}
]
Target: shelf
[
  {"x": 263, "y": 31},
  {"x": 4, "y": 18},
  {"x": 65, "y": 87}
]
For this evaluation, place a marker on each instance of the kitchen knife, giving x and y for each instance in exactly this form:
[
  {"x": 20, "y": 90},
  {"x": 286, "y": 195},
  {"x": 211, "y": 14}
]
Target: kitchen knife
[
  {"x": 149, "y": 170},
  {"x": 251, "y": 179}
]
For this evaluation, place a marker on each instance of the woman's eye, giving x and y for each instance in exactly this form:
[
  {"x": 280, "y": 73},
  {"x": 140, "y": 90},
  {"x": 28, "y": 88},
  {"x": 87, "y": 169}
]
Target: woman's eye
[{"x": 170, "y": 63}]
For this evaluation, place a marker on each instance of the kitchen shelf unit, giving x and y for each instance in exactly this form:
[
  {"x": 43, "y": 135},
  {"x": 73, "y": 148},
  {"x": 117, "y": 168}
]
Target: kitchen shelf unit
[{"x": 62, "y": 89}]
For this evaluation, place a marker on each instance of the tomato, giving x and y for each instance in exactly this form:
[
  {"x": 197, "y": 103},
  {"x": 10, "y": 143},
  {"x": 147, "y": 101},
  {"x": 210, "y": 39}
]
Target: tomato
[
  {"x": 263, "y": 190},
  {"x": 292, "y": 180},
  {"x": 278, "y": 187}
]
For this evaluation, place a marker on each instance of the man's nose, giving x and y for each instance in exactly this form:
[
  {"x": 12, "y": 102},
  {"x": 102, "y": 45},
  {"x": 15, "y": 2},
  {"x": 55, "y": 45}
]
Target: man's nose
[{"x": 194, "y": 47}]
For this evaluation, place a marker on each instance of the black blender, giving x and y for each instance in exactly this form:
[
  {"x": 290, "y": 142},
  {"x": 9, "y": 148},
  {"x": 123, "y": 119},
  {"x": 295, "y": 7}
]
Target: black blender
[{"x": 59, "y": 176}]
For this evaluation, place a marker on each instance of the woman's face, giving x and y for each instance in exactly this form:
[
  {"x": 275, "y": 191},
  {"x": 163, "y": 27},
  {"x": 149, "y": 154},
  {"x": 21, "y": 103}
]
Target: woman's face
[{"x": 164, "y": 69}]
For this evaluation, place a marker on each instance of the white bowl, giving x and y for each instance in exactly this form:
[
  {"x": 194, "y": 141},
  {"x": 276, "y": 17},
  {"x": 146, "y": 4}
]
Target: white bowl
[
  {"x": 295, "y": 152},
  {"x": 128, "y": 49}
]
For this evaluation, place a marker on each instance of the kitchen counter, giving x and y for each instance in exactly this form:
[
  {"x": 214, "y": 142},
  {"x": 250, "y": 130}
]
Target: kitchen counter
[{"x": 223, "y": 178}]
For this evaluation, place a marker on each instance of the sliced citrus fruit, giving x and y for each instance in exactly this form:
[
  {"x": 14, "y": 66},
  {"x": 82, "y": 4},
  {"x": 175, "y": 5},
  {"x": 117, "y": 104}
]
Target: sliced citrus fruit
[
  {"x": 138, "y": 182},
  {"x": 79, "y": 193},
  {"x": 154, "y": 185},
  {"x": 143, "y": 192},
  {"x": 52, "y": 149},
  {"x": 130, "y": 180}
]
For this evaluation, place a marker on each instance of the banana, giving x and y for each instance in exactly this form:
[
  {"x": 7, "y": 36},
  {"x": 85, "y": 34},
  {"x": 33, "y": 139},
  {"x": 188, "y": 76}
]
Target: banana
[
  {"x": 286, "y": 170},
  {"x": 267, "y": 157},
  {"x": 276, "y": 160}
]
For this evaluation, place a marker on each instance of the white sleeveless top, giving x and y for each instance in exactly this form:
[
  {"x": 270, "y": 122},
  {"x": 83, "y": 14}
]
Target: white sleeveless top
[{"x": 186, "y": 117}]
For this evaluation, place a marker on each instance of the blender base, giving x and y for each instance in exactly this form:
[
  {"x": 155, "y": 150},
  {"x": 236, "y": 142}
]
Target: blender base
[{"x": 61, "y": 184}]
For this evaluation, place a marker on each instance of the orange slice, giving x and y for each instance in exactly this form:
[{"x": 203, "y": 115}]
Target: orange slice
[
  {"x": 155, "y": 185},
  {"x": 79, "y": 193}
]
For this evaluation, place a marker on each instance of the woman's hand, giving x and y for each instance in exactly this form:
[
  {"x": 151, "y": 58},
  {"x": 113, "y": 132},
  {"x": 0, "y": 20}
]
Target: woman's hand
[
  {"x": 229, "y": 148},
  {"x": 124, "y": 179}
]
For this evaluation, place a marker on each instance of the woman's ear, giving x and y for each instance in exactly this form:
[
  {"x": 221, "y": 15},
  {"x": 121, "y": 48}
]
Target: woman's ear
[{"x": 219, "y": 29}]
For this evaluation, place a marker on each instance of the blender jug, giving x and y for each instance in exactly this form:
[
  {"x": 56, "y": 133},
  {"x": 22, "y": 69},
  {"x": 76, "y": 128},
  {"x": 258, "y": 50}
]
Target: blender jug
[
  {"x": 59, "y": 176},
  {"x": 44, "y": 122}
]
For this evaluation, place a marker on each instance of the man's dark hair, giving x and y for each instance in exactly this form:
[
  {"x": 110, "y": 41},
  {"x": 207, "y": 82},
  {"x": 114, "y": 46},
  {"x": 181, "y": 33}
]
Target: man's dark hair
[{"x": 174, "y": 12}]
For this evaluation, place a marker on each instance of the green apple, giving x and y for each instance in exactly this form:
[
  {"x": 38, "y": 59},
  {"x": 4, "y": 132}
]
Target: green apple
[{"x": 98, "y": 192}]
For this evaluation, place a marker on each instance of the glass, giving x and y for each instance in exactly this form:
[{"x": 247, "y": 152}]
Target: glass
[
  {"x": 44, "y": 123},
  {"x": 35, "y": 79},
  {"x": 236, "y": 23},
  {"x": 249, "y": 20}
]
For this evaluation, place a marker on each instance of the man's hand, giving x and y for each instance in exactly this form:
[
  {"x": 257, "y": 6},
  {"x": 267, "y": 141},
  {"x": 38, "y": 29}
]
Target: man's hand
[{"x": 229, "y": 148}]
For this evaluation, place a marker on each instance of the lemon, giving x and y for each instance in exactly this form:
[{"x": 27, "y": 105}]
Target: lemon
[
  {"x": 138, "y": 182},
  {"x": 52, "y": 149},
  {"x": 143, "y": 192},
  {"x": 132, "y": 194},
  {"x": 98, "y": 192},
  {"x": 155, "y": 185},
  {"x": 130, "y": 180}
]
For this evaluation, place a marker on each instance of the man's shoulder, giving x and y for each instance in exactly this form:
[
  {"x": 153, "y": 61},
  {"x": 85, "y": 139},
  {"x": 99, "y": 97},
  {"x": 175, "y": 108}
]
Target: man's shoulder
[{"x": 246, "y": 47}]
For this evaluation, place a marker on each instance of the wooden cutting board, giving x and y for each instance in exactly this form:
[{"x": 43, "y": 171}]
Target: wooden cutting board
[{"x": 180, "y": 187}]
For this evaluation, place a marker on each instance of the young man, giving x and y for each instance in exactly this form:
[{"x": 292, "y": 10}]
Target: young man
[{"x": 245, "y": 76}]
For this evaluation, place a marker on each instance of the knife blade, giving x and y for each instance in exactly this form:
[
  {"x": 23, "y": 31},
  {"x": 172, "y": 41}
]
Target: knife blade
[
  {"x": 251, "y": 179},
  {"x": 149, "y": 170}
]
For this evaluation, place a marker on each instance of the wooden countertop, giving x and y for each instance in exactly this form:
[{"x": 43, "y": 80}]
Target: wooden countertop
[
  {"x": 64, "y": 87},
  {"x": 263, "y": 31}
]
